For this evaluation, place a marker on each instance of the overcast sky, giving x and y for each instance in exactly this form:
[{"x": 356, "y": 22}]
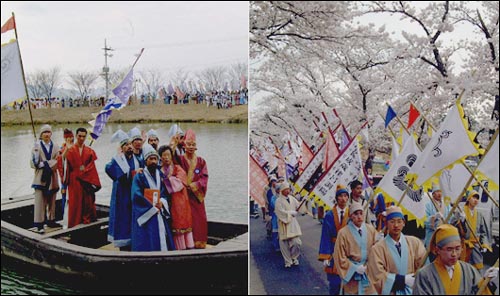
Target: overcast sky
[{"x": 192, "y": 36}]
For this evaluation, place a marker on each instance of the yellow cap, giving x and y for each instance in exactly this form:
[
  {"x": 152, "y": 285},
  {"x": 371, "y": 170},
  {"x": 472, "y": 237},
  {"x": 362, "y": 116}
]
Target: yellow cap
[{"x": 444, "y": 234}]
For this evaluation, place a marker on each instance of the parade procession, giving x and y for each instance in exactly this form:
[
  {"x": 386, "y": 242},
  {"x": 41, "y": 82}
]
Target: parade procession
[{"x": 377, "y": 146}]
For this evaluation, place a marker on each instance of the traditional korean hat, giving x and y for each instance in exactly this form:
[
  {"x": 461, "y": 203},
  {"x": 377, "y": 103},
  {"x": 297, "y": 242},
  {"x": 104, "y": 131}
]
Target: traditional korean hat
[
  {"x": 190, "y": 136},
  {"x": 471, "y": 194},
  {"x": 355, "y": 206},
  {"x": 68, "y": 133},
  {"x": 152, "y": 134},
  {"x": 444, "y": 234},
  {"x": 121, "y": 137},
  {"x": 394, "y": 212},
  {"x": 284, "y": 185},
  {"x": 435, "y": 188},
  {"x": 174, "y": 130},
  {"x": 148, "y": 150},
  {"x": 45, "y": 128},
  {"x": 135, "y": 134},
  {"x": 341, "y": 189}
]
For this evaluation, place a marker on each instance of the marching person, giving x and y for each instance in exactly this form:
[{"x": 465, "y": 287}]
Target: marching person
[
  {"x": 289, "y": 231},
  {"x": 474, "y": 249},
  {"x": 334, "y": 220},
  {"x": 351, "y": 252},
  {"x": 395, "y": 259},
  {"x": 447, "y": 275}
]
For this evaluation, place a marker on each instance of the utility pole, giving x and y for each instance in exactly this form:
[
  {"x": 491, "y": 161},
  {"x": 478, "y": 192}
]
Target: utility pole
[{"x": 105, "y": 69}]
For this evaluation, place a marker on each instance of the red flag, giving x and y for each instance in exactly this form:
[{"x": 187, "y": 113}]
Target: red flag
[
  {"x": 258, "y": 180},
  {"x": 9, "y": 25},
  {"x": 414, "y": 114},
  {"x": 331, "y": 152}
]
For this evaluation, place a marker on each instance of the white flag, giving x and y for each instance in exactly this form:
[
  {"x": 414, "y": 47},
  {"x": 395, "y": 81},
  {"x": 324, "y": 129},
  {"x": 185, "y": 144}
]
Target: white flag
[
  {"x": 450, "y": 143},
  {"x": 393, "y": 184},
  {"x": 12, "y": 75},
  {"x": 452, "y": 181},
  {"x": 489, "y": 164},
  {"x": 347, "y": 168}
]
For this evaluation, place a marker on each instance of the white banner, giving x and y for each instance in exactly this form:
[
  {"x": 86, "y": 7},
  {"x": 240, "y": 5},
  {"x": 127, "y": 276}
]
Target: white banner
[
  {"x": 12, "y": 75},
  {"x": 489, "y": 164},
  {"x": 311, "y": 168},
  {"x": 453, "y": 181},
  {"x": 393, "y": 185},
  {"x": 450, "y": 144},
  {"x": 347, "y": 167}
]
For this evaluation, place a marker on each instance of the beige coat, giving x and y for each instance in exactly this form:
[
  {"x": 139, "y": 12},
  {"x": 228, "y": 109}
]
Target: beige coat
[
  {"x": 288, "y": 226},
  {"x": 382, "y": 268},
  {"x": 37, "y": 180},
  {"x": 348, "y": 251}
]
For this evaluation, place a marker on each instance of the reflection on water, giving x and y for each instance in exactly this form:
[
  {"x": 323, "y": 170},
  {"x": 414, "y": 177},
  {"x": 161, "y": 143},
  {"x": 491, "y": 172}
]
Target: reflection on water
[{"x": 224, "y": 147}]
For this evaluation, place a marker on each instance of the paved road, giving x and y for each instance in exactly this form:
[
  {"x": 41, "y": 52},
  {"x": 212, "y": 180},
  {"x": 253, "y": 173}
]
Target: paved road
[{"x": 267, "y": 268}]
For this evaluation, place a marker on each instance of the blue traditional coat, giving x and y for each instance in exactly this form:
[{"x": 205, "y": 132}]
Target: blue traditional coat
[
  {"x": 329, "y": 230},
  {"x": 120, "y": 169},
  {"x": 150, "y": 230}
]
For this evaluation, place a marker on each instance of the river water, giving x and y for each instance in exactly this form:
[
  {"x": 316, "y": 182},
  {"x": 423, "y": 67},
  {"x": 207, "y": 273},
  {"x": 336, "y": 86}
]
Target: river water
[{"x": 223, "y": 146}]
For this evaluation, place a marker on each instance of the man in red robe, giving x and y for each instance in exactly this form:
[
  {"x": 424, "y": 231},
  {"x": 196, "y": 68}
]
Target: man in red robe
[
  {"x": 197, "y": 180},
  {"x": 82, "y": 180}
]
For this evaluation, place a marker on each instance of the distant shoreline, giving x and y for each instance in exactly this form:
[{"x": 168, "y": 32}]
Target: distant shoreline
[{"x": 131, "y": 114}]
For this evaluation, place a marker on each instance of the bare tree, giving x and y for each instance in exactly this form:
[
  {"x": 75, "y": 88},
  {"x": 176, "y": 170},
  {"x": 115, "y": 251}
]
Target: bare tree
[
  {"x": 34, "y": 84},
  {"x": 83, "y": 81},
  {"x": 238, "y": 72},
  {"x": 179, "y": 77},
  {"x": 152, "y": 79},
  {"x": 213, "y": 78},
  {"x": 49, "y": 81}
]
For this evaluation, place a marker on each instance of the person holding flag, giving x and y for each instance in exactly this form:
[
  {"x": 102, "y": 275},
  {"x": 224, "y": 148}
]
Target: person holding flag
[
  {"x": 334, "y": 220},
  {"x": 474, "y": 249},
  {"x": 395, "y": 259},
  {"x": 447, "y": 275},
  {"x": 45, "y": 182},
  {"x": 351, "y": 252}
]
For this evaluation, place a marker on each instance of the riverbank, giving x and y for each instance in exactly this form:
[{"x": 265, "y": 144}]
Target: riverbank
[{"x": 137, "y": 113}]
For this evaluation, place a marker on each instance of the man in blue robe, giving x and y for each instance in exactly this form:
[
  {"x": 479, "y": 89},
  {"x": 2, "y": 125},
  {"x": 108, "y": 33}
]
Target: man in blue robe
[
  {"x": 121, "y": 170},
  {"x": 150, "y": 230}
]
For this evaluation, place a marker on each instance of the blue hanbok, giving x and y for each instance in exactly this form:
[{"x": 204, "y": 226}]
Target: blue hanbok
[
  {"x": 120, "y": 169},
  {"x": 150, "y": 229}
]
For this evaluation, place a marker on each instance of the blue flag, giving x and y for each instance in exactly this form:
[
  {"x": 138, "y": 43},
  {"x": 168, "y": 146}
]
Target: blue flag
[
  {"x": 389, "y": 116},
  {"x": 125, "y": 88}
]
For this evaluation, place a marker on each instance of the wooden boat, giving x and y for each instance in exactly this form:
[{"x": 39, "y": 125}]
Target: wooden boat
[{"x": 83, "y": 253}]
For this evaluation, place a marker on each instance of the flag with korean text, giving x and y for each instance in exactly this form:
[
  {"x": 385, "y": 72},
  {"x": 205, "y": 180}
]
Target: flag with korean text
[{"x": 347, "y": 168}]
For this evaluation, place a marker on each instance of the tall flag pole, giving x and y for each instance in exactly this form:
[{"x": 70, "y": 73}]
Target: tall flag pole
[
  {"x": 10, "y": 83},
  {"x": 122, "y": 93}
]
